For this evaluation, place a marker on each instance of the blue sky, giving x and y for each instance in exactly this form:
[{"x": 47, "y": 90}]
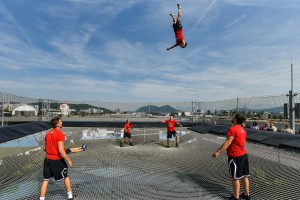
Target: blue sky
[{"x": 104, "y": 50}]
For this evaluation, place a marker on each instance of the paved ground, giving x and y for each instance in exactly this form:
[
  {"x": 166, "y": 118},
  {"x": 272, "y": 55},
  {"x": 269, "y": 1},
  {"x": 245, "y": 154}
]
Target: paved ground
[{"x": 151, "y": 171}]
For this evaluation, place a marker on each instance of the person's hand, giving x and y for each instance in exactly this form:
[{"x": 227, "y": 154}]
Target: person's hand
[
  {"x": 215, "y": 154},
  {"x": 70, "y": 163}
]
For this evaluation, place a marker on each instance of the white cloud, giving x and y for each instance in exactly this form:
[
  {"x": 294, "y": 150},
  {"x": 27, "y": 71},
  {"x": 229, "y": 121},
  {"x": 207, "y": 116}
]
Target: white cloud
[
  {"x": 84, "y": 50},
  {"x": 10, "y": 17},
  {"x": 235, "y": 21},
  {"x": 265, "y": 3}
]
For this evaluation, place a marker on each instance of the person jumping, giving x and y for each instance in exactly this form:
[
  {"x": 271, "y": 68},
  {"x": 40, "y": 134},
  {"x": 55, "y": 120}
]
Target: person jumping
[{"x": 178, "y": 30}]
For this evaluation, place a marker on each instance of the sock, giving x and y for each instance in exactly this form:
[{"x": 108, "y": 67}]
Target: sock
[
  {"x": 42, "y": 198},
  {"x": 70, "y": 195}
]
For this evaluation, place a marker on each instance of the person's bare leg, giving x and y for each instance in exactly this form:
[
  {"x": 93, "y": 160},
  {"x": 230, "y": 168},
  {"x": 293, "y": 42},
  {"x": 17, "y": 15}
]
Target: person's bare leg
[
  {"x": 44, "y": 188},
  {"x": 177, "y": 139},
  {"x": 236, "y": 187},
  {"x": 245, "y": 183},
  {"x": 68, "y": 184},
  {"x": 168, "y": 142},
  {"x": 179, "y": 12},
  {"x": 173, "y": 17}
]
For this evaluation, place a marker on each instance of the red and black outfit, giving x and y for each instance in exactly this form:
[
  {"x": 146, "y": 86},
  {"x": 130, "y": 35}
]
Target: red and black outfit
[
  {"x": 127, "y": 133},
  {"x": 54, "y": 165},
  {"x": 178, "y": 30},
  {"x": 237, "y": 155},
  {"x": 171, "y": 128}
]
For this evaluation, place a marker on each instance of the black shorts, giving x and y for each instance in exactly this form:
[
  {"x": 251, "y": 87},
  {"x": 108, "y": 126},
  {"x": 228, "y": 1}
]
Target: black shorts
[
  {"x": 170, "y": 133},
  {"x": 177, "y": 26},
  {"x": 238, "y": 166},
  {"x": 55, "y": 168},
  {"x": 126, "y": 135}
]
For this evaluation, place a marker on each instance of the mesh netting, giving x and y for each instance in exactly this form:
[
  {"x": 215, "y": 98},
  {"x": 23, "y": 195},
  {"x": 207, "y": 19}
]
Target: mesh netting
[{"x": 147, "y": 170}]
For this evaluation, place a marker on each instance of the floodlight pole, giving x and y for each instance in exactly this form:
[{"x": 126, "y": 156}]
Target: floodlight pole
[
  {"x": 2, "y": 112},
  {"x": 291, "y": 102}
]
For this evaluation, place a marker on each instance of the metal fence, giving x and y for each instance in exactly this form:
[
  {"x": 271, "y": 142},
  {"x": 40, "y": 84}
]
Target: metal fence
[{"x": 46, "y": 108}]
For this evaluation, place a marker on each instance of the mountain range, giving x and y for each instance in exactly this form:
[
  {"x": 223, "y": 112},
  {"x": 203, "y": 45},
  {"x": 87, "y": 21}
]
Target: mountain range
[{"x": 157, "y": 109}]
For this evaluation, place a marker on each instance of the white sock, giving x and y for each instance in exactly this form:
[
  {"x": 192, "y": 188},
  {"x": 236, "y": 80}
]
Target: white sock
[
  {"x": 42, "y": 198},
  {"x": 70, "y": 195}
]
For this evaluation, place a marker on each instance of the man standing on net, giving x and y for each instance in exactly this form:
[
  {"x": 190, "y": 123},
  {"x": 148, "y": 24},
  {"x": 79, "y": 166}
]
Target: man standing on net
[
  {"x": 171, "y": 130},
  {"x": 56, "y": 159},
  {"x": 237, "y": 157}
]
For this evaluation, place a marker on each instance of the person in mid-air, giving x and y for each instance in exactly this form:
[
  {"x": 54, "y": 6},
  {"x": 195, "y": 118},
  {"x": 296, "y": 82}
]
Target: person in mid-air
[{"x": 178, "y": 30}]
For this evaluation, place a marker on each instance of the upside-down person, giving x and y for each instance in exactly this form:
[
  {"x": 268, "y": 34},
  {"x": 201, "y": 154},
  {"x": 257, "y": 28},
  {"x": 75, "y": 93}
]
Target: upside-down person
[{"x": 178, "y": 30}]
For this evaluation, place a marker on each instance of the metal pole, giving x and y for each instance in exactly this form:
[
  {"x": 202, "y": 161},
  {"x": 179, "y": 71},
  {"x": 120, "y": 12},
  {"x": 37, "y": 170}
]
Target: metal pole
[
  {"x": 237, "y": 105},
  {"x": 2, "y": 114},
  {"x": 291, "y": 102}
]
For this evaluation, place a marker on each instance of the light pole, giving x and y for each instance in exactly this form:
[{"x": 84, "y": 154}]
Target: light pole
[
  {"x": 291, "y": 102},
  {"x": 2, "y": 111}
]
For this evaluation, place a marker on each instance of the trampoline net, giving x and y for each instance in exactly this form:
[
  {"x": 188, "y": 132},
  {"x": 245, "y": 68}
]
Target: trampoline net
[{"x": 147, "y": 170}]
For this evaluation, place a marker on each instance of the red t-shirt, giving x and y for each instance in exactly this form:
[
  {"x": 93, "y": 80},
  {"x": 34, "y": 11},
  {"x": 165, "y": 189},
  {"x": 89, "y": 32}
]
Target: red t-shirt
[
  {"x": 171, "y": 125},
  {"x": 127, "y": 127},
  {"x": 237, "y": 146},
  {"x": 179, "y": 36},
  {"x": 51, "y": 144}
]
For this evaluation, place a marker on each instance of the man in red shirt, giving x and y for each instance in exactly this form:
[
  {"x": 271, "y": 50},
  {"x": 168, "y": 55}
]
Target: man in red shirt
[
  {"x": 127, "y": 133},
  {"x": 237, "y": 157},
  {"x": 171, "y": 130},
  {"x": 55, "y": 164},
  {"x": 178, "y": 30}
]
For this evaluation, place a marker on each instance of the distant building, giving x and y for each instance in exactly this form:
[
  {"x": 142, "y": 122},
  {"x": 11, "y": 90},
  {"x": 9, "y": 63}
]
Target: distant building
[
  {"x": 118, "y": 110},
  {"x": 64, "y": 109},
  {"x": 24, "y": 110}
]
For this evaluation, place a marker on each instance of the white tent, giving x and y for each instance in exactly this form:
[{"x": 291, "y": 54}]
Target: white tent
[{"x": 24, "y": 110}]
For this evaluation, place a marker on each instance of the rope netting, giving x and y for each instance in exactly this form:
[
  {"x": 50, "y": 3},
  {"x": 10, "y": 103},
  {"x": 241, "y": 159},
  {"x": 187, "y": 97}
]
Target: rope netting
[{"x": 147, "y": 170}]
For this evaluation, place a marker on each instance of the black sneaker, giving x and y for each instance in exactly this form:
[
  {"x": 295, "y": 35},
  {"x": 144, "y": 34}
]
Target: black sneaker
[
  {"x": 131, "y": 144},
  {"x": 243, "y": 196},
  {"x": 177, "y": 145},
  {"x": 121, "y": 145},
  {"x": 168, "y": 146},
  {"x": 231, "y": 198},
  {"x": 173, "y": 15},
  {"x": 179, "y": 6}
]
